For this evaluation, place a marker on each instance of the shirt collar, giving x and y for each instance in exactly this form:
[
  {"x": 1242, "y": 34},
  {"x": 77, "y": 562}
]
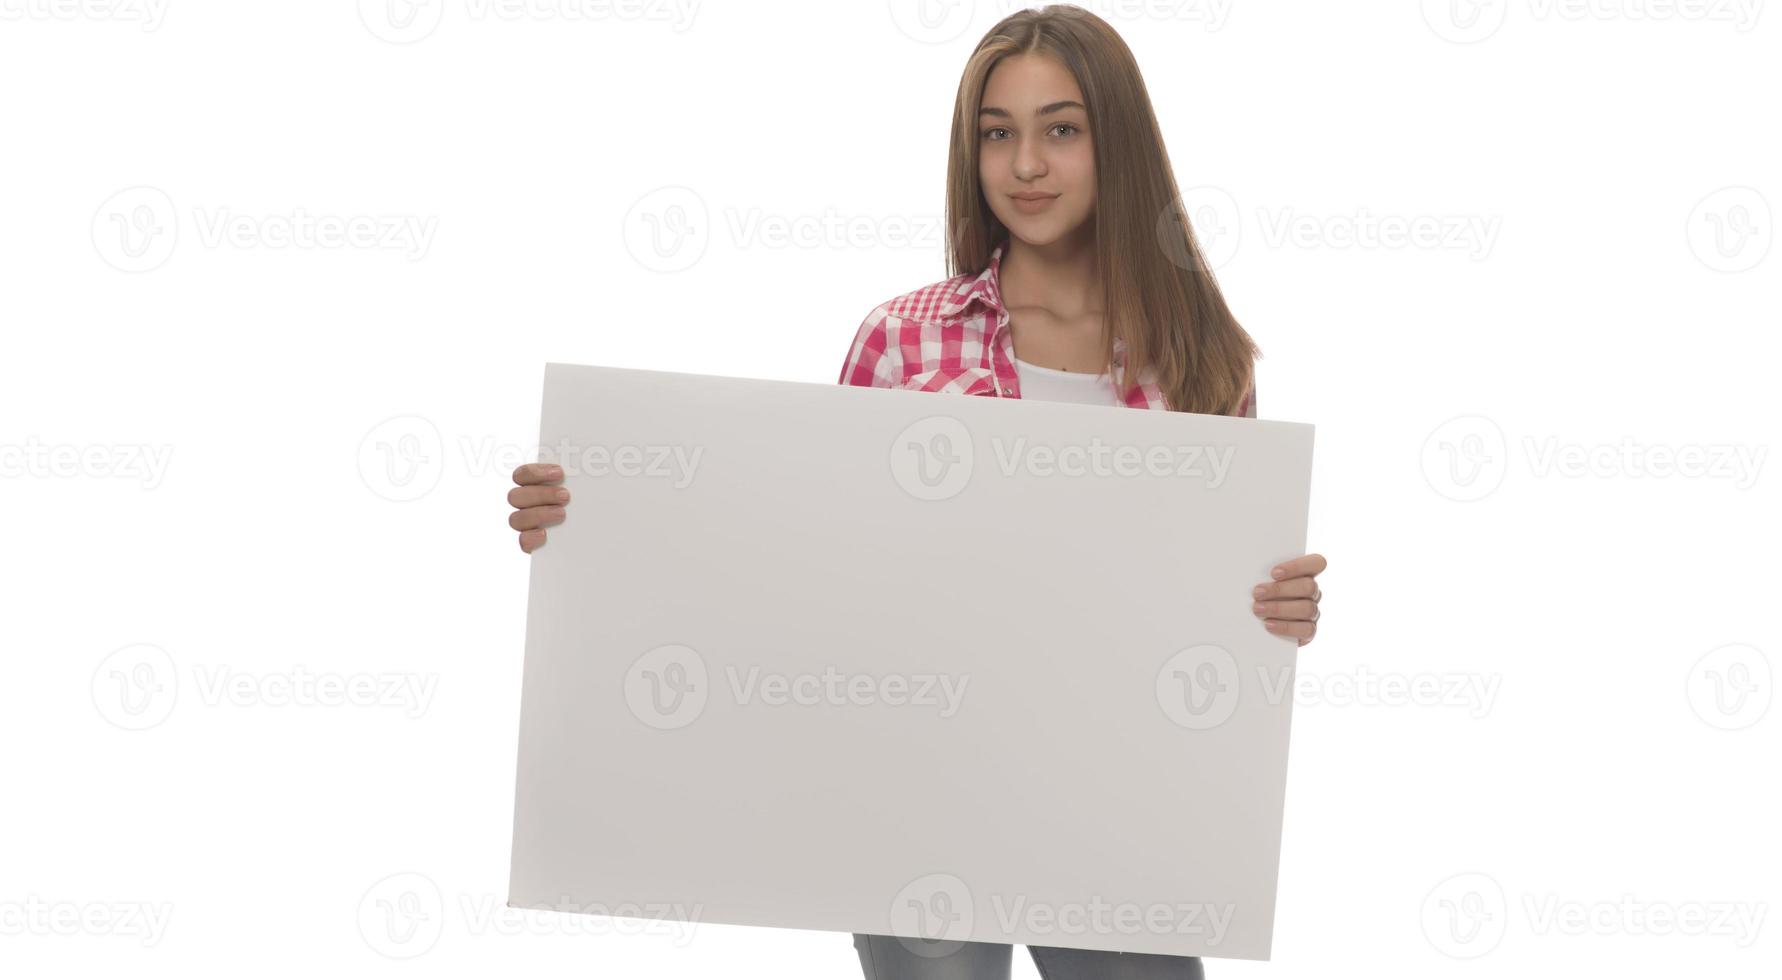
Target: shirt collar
[{"x": 983, "y": 289}]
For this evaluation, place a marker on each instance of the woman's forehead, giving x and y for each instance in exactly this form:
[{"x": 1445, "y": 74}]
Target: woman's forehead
[{"x": 1030, "y": 80}]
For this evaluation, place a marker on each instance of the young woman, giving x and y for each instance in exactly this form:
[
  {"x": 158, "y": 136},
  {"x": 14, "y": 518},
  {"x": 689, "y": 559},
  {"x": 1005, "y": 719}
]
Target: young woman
[{"x": 1076, "y": 278}]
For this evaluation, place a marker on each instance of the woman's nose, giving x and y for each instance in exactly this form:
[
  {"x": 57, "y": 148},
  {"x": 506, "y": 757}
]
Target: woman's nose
[{"x": 1029, "y": 162}]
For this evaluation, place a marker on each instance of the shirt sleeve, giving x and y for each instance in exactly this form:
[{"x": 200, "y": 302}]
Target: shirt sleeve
[{"x": 872, "y": 362}]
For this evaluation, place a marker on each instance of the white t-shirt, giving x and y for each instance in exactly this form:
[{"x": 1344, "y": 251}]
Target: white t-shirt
[{"x": 1050, "y": 384}]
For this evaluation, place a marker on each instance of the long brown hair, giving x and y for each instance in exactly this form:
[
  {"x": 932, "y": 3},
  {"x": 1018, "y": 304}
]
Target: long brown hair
[{"x": 1160, "y": 298}]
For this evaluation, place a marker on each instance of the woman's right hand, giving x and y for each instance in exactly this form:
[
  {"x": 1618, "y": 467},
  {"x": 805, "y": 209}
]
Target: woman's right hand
[{"x": 538, "y": 502}]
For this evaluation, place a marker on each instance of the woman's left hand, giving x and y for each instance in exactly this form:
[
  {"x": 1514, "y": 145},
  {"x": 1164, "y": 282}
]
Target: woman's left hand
[{"x": 1288, "y": 606}]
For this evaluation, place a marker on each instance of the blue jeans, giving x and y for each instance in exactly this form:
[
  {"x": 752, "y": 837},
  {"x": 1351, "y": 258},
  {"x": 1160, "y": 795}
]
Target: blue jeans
[{"x": 888, "y": 958}]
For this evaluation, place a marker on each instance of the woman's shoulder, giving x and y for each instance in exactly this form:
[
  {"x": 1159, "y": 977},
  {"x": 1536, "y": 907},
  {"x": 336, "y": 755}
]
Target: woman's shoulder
[
  {"x": 938, "y": 301},
  {"x": 904, "y": 321}
]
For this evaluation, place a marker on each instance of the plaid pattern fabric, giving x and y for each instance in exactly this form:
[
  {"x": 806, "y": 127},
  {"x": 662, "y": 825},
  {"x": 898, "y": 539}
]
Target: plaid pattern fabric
[{"x": 953, "y": 336}]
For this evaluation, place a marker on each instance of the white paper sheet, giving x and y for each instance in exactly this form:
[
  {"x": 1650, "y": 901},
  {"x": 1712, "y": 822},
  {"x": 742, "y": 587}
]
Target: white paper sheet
[{"x": 938, "y": 666}]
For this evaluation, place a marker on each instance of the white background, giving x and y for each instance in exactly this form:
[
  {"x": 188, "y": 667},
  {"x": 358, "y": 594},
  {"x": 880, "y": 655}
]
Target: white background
[{"x": 334, "y": 422}]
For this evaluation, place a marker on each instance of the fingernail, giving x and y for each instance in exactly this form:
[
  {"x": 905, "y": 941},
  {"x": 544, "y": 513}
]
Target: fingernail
[
  {"x": 1278, "y": 572},
  {"x": 562, "y": 495},
  {"x": 1259, "y": 591},
  {"x": 1271, "y": 624},
  {"x": 1257, "y": 608}
]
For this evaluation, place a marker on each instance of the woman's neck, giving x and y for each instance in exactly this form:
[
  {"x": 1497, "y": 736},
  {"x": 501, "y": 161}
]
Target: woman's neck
[{"x": 1060, "y": 276}]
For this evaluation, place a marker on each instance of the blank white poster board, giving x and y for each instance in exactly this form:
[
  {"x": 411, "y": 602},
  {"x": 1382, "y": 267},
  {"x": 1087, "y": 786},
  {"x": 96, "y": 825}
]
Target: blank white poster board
[{"x": 936, "y": 666}]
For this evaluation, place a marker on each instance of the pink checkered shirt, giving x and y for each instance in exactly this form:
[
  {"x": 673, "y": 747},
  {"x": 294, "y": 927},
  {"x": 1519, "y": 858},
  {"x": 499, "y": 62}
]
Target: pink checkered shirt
[{"x": 954, "y": 336}]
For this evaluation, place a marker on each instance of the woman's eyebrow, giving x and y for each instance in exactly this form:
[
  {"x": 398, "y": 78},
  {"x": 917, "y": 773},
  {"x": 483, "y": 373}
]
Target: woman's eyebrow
[{"x": 991, "y": 110}]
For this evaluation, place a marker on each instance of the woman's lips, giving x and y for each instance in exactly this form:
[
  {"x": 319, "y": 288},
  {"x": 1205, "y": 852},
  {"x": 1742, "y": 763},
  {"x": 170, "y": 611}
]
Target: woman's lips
[{"x": 1033, "y": 205}]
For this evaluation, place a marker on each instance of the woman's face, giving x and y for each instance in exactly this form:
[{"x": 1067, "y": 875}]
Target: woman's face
[{"x": 1034, "y": 142}]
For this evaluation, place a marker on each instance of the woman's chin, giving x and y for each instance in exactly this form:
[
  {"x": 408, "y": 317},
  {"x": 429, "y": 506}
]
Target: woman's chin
[{"x": 1037, "y": 231}]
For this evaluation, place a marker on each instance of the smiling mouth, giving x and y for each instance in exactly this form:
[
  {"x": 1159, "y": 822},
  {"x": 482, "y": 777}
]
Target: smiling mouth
[{"x": 1033, "y": 205}]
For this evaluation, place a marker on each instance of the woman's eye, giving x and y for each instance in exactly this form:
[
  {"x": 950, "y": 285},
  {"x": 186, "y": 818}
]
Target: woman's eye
[{"x": 1070, "y": 128}]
